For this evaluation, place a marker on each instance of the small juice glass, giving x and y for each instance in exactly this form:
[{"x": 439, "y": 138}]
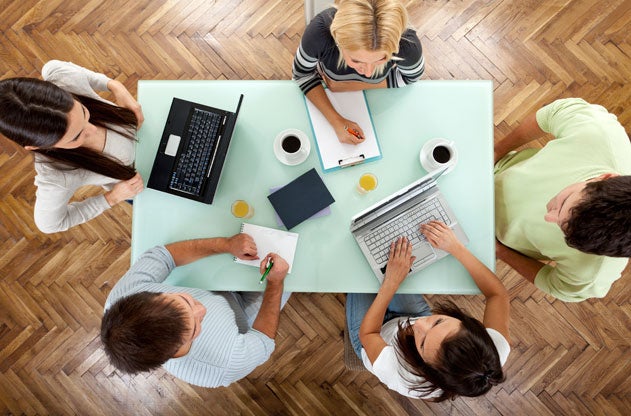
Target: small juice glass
[
  {"x": 242, "y": 209},
  {"x": 367, "y": 182}
]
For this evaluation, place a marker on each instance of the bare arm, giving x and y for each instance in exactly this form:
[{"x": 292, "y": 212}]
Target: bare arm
[
  {"x": 527, "y": 131},
  {"x": 319, "y": 98},
  {"x": 497, "y": 306},
  {"x": 267, "y": 319},
  {"x": 239, "y": 245},
  {"x": 524, "y": 265},
  {"x": 399, "y": 263}
]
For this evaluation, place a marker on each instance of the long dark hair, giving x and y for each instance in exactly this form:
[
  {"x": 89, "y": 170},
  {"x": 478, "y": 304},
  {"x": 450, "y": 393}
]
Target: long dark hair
[
  {"x": 140, "y": 332},
  {"x": 468, "y": 363},
  {"x": 35, "y": 113}
]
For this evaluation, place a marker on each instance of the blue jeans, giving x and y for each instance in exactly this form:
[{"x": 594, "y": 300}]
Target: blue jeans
[
  {"x": 357, "y": 305},
  {"x": 251, "y": 303}
]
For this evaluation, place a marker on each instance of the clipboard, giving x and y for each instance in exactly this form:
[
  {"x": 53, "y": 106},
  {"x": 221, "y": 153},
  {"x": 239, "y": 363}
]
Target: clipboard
[{"x": 333, "y": 154}]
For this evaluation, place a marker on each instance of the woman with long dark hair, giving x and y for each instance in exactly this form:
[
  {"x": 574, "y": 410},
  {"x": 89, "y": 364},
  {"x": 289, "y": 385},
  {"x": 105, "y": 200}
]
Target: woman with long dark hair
[
  {"x": 432, "y": 357},
  {"x": 77, "y": 137}
]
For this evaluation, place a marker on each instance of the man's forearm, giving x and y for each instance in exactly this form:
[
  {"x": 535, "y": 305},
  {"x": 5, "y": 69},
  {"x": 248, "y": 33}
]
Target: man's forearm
[
  {"x": 527, "y": 131},
  {"x": 524, "y": 265},
  {"x": 267, "y": 319},
  {"x": 184, "y": 252}
]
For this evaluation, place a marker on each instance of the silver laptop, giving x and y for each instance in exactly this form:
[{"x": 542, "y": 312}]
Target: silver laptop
[{"x": 400, "y": 214}]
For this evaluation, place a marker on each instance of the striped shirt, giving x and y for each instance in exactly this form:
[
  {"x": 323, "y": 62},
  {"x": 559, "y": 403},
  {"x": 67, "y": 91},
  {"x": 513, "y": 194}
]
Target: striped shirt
[
  {"x": 226, "y": 350},
  {"x": 317, "y": 49}
]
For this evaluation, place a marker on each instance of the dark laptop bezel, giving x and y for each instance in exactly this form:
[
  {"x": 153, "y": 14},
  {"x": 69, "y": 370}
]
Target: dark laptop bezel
[{"x": 163, "y": 164}]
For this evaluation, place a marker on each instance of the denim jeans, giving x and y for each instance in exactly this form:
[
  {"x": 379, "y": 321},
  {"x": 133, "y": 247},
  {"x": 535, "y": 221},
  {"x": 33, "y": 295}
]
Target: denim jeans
[
  {"x": 357, "y": 305},
  {"x": 251, "y": 303}
]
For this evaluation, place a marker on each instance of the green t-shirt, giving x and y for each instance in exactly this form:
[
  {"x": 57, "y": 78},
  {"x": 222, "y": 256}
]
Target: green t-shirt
[{"x": 589, "y": 141}]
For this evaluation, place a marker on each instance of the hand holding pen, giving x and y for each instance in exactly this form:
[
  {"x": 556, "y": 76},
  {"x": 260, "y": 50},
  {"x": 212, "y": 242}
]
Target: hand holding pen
[
  {"x": 270, "y": 263},
  {"x": 350, "y": 132},
  {"x": 273, "y": 268},
  {"x": 355, "y": 133}
]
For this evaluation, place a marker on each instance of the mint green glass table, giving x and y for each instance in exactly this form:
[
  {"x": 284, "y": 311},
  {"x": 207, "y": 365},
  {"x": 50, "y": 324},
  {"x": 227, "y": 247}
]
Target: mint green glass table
[{"x": 327, "y": 257}]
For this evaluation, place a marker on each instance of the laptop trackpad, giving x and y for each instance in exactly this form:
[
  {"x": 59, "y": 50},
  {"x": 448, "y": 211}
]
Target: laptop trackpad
[
  {"x": 172, "y": 145},
  {"x": 423, "y": 253}
]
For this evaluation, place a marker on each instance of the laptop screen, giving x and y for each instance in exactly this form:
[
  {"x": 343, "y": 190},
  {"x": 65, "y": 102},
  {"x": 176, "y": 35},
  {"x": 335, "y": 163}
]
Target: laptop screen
[{"x": 406, "y": 193}]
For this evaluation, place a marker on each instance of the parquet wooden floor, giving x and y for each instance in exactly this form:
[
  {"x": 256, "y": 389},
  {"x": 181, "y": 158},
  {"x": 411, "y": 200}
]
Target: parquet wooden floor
[{"x": 567, "y": 359}]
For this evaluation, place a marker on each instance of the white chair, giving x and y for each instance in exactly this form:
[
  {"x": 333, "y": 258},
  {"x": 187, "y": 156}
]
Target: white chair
[{"x": 313, "y": 7}]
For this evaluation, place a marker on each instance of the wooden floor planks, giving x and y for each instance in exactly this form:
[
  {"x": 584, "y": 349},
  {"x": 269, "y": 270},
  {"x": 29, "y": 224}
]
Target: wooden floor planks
[{"x": 567, "y": 359}]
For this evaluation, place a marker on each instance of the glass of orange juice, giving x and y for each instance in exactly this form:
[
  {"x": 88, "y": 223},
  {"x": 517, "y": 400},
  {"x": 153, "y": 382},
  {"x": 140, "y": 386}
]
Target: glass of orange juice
[
  {"x": 242, "y": 209},
  {"x": 367, "y": 182}
]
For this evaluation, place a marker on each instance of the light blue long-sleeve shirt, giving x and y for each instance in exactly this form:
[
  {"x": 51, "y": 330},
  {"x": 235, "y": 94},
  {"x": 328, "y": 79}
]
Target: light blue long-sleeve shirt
[{"x": 226, "y": 350}]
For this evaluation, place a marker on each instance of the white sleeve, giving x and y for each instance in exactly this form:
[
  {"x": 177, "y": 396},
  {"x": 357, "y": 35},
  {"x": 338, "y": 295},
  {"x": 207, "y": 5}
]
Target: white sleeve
[
  {"x": 386, "y": 367},
  {"x": 75, "y": 79},
  {"x": 53, "y": 212},
  {"x": 501, "y": 344}
]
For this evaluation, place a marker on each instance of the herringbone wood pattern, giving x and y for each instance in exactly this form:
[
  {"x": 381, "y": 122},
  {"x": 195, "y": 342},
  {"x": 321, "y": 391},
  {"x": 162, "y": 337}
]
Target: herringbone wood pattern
[{"x": 567, "y": 359}]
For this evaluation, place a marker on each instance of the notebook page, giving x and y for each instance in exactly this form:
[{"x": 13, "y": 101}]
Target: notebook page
[
  {"x": 270, "y": 240},
  {"x": 352, "y": 106}
]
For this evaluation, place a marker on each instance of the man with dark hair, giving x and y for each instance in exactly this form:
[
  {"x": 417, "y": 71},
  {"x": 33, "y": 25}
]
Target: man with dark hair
[
  {"x": 563, "y": 212},
  {"x": 205, "y": 338}
]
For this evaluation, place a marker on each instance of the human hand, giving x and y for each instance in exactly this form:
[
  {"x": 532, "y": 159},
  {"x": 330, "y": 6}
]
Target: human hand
[
  {"x": 124, "y": 190},
  {"x": 242, "y": 246},
  {"x": 440, "y": 236},
  {"x": 124, "y": 99},
  {"x": 279, "y": 269},
  {"x": 399, "y": 261},
  {"x": 342, "y": 131}
]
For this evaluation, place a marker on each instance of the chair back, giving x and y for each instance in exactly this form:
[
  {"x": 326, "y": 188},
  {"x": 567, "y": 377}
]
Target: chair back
[{"x": 313, "y": 7}]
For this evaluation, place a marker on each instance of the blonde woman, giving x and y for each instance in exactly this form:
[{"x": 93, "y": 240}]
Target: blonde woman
[{"x": 359, "y": 45}]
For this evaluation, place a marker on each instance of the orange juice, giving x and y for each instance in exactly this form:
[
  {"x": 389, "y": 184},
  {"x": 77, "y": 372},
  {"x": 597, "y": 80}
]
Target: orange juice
[
  {"x": 242, "y": 209},
  {"x": 367, "y": 182}
]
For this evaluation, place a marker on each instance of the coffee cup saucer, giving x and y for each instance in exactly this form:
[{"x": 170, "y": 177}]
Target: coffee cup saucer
[
  {"x": 429, "y": 164},
  {"x": 292, "y": 159}
]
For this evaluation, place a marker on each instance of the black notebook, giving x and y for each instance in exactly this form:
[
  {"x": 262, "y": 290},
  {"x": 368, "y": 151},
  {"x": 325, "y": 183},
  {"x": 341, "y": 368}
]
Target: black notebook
[{"x": 301, "y": 198}]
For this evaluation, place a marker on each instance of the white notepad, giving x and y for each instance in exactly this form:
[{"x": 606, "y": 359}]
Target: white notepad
[
  {"x": 270, "y": 240},
  {"x": 333, "y": 153}
]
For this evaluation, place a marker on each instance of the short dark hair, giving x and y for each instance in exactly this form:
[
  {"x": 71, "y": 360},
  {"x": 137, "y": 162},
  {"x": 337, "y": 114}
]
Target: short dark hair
[
  {"x": 601, "y": 222},
  {"x": 142, "y": 331},
  {"x": 468, "y": 363}
]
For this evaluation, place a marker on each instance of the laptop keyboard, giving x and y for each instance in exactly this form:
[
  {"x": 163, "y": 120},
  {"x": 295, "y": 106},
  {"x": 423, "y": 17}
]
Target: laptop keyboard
[
  {"x": 192, "y": 167},
  {"x": 404, "y": 225}
]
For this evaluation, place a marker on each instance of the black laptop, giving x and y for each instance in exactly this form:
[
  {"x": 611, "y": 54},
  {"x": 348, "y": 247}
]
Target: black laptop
[{"x": 192, "y": 150}]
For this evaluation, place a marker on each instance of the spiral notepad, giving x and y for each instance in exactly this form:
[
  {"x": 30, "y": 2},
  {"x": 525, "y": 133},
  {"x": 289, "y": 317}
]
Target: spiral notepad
[{"x": 270, "y": 240}]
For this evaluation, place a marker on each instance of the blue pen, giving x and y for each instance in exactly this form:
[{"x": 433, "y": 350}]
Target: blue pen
[{"x": 269, "y": 267}]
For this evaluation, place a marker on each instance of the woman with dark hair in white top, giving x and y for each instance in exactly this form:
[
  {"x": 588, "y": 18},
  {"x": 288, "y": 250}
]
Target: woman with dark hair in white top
[
  {"x": 77, "y": 137},
  {"x": 432, "y": 357}
]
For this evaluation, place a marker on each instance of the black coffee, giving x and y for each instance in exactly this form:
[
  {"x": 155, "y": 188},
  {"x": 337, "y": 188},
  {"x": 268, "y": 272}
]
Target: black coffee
[
  {"x": 441, "y": 154},
  {"x": 291, "y": 144}
]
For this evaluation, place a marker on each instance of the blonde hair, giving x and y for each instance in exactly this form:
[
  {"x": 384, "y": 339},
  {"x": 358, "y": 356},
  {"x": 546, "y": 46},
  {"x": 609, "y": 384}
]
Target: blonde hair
[{"x": 369, "y": 25}]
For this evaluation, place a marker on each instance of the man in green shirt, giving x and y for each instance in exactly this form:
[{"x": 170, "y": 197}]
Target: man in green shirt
[{"x": 563, "y": 212}]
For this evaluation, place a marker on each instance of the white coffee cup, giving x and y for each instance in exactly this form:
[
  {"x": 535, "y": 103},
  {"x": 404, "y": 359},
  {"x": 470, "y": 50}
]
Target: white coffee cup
[
  {"x": 438, "y": 153},
  {"x": 292, "y": 147}
]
